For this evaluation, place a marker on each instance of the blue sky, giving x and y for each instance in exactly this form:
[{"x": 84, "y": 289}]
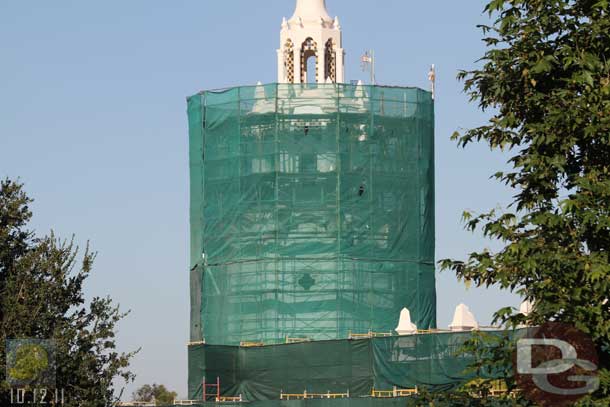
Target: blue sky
[{"x": 93, "y": 121}]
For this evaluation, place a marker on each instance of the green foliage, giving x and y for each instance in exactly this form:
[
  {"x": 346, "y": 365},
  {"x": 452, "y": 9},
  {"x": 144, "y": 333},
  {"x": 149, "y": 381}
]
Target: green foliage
[
  {"x": 41, "y": 296},
  {"x": 546, "y": 77},
  {"x": 494, "y": 384},
  {"x": 158, "y": 393},
  {"x": 468, "y": 396},
  {"x": 31, "y": 360}
]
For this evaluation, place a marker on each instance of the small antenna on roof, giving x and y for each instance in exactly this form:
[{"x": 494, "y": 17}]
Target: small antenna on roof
[
  {"x": 368, "y": 63},
  {"x": 432, "y": 79}
]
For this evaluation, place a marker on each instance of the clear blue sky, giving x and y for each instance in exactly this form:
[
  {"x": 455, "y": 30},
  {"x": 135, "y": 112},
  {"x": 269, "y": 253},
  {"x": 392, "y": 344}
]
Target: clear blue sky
[{"x": 93, "y": 120}]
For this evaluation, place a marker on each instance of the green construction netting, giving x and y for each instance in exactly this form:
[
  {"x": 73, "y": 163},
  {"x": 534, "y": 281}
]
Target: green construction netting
[
  {"x": 434, "y": 361},
  {"x": 312, "y": 211}
]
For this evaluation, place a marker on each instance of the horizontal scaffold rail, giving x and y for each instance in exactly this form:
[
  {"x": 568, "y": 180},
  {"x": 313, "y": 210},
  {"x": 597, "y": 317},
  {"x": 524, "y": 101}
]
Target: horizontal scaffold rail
[
  {"x": 225, "y": 399},
  {"x": 246, "y": 344},
  {"x": 305, "y": 395},
  {"x": 221, "y": 399},
  {"x": 297, "y": 340},
  {"x": 395, "y": 392},
  {"x": 369, "y": 334}
]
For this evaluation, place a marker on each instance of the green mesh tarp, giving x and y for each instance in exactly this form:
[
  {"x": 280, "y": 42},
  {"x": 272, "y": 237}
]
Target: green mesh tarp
[
  {"x": 434, "y": 361},
  {"x": 312, "y": 211}
]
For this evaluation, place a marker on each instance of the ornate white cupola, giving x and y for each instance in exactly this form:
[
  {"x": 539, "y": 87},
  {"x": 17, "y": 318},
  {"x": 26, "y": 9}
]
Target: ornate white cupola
[{"x": 311, "y": 35}]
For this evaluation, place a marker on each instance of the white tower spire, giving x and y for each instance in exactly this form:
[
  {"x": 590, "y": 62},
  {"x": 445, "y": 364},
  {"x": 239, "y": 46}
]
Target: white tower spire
[
  {"x": 311, "y": 10},
  {"x": 311, "y": 34}
]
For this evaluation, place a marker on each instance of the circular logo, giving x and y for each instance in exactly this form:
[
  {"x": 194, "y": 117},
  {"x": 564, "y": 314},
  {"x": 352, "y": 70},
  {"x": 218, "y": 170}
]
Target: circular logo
[
  {"x": 30, "y": 362},
  {"x": 556, "y": 365}
]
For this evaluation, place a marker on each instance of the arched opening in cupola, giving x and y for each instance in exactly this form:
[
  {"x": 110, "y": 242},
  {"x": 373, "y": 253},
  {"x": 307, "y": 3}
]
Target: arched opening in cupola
[{"x": 309, "y": 61}]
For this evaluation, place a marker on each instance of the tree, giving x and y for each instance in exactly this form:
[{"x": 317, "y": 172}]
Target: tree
[
  {"x": 158, "y": 393},
  {"x": 41, "y": 287},
  {"x": 546, "y": 78}
]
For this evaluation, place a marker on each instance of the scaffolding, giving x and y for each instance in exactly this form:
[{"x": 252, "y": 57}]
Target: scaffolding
[
  {"x": 215, "y": 386},
  {"x": 395, "y": 392},
  {"x": 312, "y": 211},
  {"x": 305, "y": 395}
]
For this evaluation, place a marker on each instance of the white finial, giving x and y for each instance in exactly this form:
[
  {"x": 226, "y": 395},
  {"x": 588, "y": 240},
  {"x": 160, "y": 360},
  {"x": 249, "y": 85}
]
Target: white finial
[
  {"x": 259, "y": 92},
  {"x": 359, "y": 90},
  {"x": 262, "y": 104},
  {"x": 284, "y": 23},
  {"x": 526, "y": 308},
  {"x": 405, "y": 326},
  {"x": 360, "y": 95},
  {"x": 463, "y": 319},
  {"x": 337, "y": 24}
]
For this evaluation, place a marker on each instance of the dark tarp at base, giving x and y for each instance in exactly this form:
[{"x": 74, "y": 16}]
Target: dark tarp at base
[
  {"x": 355, "y": 366},
  {"x": 365, "y": 402},
  {"x": 346, "y": 402}
]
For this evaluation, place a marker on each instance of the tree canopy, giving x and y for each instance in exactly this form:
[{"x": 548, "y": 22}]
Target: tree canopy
[
  {"x": 41, "y": 297},
  {"x": 545, "y": 79},
  {"x": 158, "y": 393}
]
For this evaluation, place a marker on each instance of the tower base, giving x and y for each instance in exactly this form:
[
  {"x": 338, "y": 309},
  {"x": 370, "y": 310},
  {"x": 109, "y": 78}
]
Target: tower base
[{"x": 346, "y": 368}]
